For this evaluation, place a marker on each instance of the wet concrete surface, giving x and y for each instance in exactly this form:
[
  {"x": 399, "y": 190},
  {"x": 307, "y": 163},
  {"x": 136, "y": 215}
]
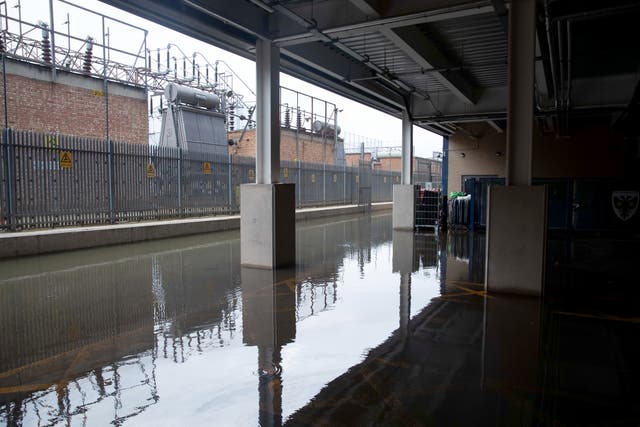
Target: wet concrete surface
[{"x": 372, "y": 327}]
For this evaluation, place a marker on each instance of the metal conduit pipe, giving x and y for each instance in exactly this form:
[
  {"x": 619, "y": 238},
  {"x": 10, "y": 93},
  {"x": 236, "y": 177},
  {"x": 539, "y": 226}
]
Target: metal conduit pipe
[
  {"x": 551, "y": 55},
  {"x": 561, "y": 60},
  {"x": 568, "y": 102},
  {"x": 598, "y": 13}
]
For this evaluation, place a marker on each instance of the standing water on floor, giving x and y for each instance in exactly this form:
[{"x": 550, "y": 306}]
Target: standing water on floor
[
  {"x": 175, "y": 332},
  {"x": 372, "y": 327}
]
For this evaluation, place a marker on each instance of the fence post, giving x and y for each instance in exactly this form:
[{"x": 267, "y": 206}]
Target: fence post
[
  {"x": 110, "y": 177},
  {"x": 10, "y": 180},
  {"x": 299, "y": 184},
  {"x": 230, "y": 183},
  {"x": 180, "y": 182},
  {"x": 344, "y": 183},
  {"x": 324, "y": 184}
]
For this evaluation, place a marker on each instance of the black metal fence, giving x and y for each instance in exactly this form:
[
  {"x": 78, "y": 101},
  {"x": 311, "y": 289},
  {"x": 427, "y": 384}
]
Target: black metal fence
[{"x": 51, "y": 180}]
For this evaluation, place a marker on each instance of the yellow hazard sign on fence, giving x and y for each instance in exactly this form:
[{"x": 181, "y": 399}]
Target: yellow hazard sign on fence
[
  {"x": 206, "y": 168},
  {"x": 252, "y": 175},
  {"x": 285, "y": 172},
  {"x": 66, "y": 159},
  {"x": 151, "y": 170}
]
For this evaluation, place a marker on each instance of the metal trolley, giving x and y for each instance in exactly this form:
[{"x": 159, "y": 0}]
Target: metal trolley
[{"x": 427, "y": 208}]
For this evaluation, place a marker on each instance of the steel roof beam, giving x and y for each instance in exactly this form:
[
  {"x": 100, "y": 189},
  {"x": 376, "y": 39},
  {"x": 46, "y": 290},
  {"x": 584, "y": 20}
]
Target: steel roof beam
[
  {"x": 364, "y": 27},
  {"x": 413, "y": 43}
]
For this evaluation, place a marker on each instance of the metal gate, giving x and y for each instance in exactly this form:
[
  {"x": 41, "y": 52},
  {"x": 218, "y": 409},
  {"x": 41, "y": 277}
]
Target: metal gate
[{"x": 363, "y": 183}]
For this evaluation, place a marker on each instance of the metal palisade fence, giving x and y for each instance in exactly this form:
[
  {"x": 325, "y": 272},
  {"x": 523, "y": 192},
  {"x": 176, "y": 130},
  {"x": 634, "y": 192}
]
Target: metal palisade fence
[{"x": 51, "y": 180}]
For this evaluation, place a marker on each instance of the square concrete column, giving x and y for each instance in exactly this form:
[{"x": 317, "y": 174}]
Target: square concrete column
[
  {"x": 404, "y": 193},
  {"x": 267, "y": 209},
  {"x": 404, "y": 207},
  {"x": 516, "y": 218},
  {"x": 267, "y": 225}
]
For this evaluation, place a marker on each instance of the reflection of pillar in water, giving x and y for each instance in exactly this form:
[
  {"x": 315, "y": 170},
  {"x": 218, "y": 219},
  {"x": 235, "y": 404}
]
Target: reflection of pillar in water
[
  {"x": 405, "y": 303},
  {"x": 403, "y": 263},
  {"x": 269, "y": 322}
]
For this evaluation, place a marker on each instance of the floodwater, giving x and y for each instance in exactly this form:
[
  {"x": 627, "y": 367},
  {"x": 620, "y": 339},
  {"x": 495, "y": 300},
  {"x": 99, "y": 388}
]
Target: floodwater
[{"x": 372, "y": 327}]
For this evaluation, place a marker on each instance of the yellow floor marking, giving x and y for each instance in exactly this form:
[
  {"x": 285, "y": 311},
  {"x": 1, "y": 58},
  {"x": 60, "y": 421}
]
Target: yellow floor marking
[
  {"x": 481, "y": 293},
  {"x": 601, "y": 316},
  {"x": 23, "y": 388}
]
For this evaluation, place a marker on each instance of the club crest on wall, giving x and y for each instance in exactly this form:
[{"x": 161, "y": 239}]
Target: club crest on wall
[{"x": 624, "y": 203}]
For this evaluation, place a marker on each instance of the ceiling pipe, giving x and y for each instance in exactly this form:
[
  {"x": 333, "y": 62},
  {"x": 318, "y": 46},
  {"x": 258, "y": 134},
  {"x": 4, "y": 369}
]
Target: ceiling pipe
[
  {"x": 598, "y": 13},
  {"x": 551, "y": 54}
]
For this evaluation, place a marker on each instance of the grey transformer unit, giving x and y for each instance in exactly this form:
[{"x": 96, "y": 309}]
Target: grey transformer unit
[{"x": 194, "y": 120}]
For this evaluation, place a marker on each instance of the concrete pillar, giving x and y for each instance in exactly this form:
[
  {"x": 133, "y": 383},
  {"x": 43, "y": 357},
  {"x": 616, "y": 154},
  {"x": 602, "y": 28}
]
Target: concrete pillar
[
  {"x": 267, "y": 209},
  {"x": 404, "y": 193},
  {"x": 407, "y": 149},
  {"x": 516, "y": 220},
  {"x": 404, "y": 263},
  {"x": 267, "y": 113},
  {"x": 510, "y": 351},
  {"x": 268, "y": 323},
  {"x": 522, "y": 33}
]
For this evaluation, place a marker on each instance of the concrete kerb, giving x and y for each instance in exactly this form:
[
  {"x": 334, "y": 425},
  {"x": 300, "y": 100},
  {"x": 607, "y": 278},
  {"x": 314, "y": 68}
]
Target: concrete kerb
[{"x": 67, "y": 239}]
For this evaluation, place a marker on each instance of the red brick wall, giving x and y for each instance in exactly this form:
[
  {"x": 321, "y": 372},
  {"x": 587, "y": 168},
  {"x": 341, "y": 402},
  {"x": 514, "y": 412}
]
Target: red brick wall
[
  {"x": 55, "y": 107},
  {"x": 353, "y": 159},
  {"x": 309, "y": 149}
]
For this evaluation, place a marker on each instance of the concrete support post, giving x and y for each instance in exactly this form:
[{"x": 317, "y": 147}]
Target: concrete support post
[
  {"x": 516, "y": 219},
  {"x": 522, "y": 32},
  {"x": 267, "y": 209},
  {"x": 403, "y": 262},
  {"x": 404, "y": 193},
  {"x": 267, "y": 112},
  {"x": 407, "y": 149}
]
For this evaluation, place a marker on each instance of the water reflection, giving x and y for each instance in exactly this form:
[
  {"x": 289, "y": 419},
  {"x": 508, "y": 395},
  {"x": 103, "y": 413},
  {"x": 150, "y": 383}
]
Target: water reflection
[
  {"x": 371, "y": 327},
  {"x": 116, "y": 333}
]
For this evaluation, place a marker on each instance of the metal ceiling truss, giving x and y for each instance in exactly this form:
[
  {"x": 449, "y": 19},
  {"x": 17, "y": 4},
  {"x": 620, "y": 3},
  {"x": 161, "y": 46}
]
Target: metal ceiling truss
[{"x": 443, "y": 60}]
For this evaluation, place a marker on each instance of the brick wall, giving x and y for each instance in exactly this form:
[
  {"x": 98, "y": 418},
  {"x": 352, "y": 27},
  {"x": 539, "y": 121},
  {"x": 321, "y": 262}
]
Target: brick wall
[
  {"x": 591, "y": 151},
  {"x": 353, "y": 159},
  {"x": 74, "y": 105},
  {"x": 310, "y": 148}
]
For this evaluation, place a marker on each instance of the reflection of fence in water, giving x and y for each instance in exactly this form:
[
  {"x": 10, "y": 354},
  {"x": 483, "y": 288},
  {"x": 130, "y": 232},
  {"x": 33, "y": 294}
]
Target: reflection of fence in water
[
  {"x": 169, "y": 305},
  {"x": 68, "y": 403}
]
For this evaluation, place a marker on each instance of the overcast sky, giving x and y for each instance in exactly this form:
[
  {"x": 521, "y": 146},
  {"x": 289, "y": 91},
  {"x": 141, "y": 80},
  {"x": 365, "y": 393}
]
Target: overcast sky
[{"x": 354, "y": 119}]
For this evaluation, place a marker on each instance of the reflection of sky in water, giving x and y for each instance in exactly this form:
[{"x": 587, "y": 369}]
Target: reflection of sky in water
[{"x": 196, "y": 369}]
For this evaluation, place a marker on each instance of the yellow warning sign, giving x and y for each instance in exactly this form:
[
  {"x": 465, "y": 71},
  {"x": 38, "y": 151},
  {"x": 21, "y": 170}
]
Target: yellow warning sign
[
  {"x": 97, "y": 93},
  {"x": 397, "y": 179},
  {"x": 206, "y": 168},
  {"x": 151, "y": 170},
  {"x": 252, "y": 175},
  {"x": 51, "y": 141},
  {"x": 285, "y": 172},
  {"x": 66, "y": 159}
]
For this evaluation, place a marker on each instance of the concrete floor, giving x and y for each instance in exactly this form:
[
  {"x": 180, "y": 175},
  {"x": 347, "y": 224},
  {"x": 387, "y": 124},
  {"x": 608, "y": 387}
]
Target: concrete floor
[{"x": 175, "y": 332}]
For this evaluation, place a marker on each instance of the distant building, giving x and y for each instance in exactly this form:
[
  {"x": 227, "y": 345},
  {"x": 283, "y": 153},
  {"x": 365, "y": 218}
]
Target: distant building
[
  {"x": 73, "y": 104},
  {"x": 295, "y": 145},
  {"x": 353, "y": 159}
]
